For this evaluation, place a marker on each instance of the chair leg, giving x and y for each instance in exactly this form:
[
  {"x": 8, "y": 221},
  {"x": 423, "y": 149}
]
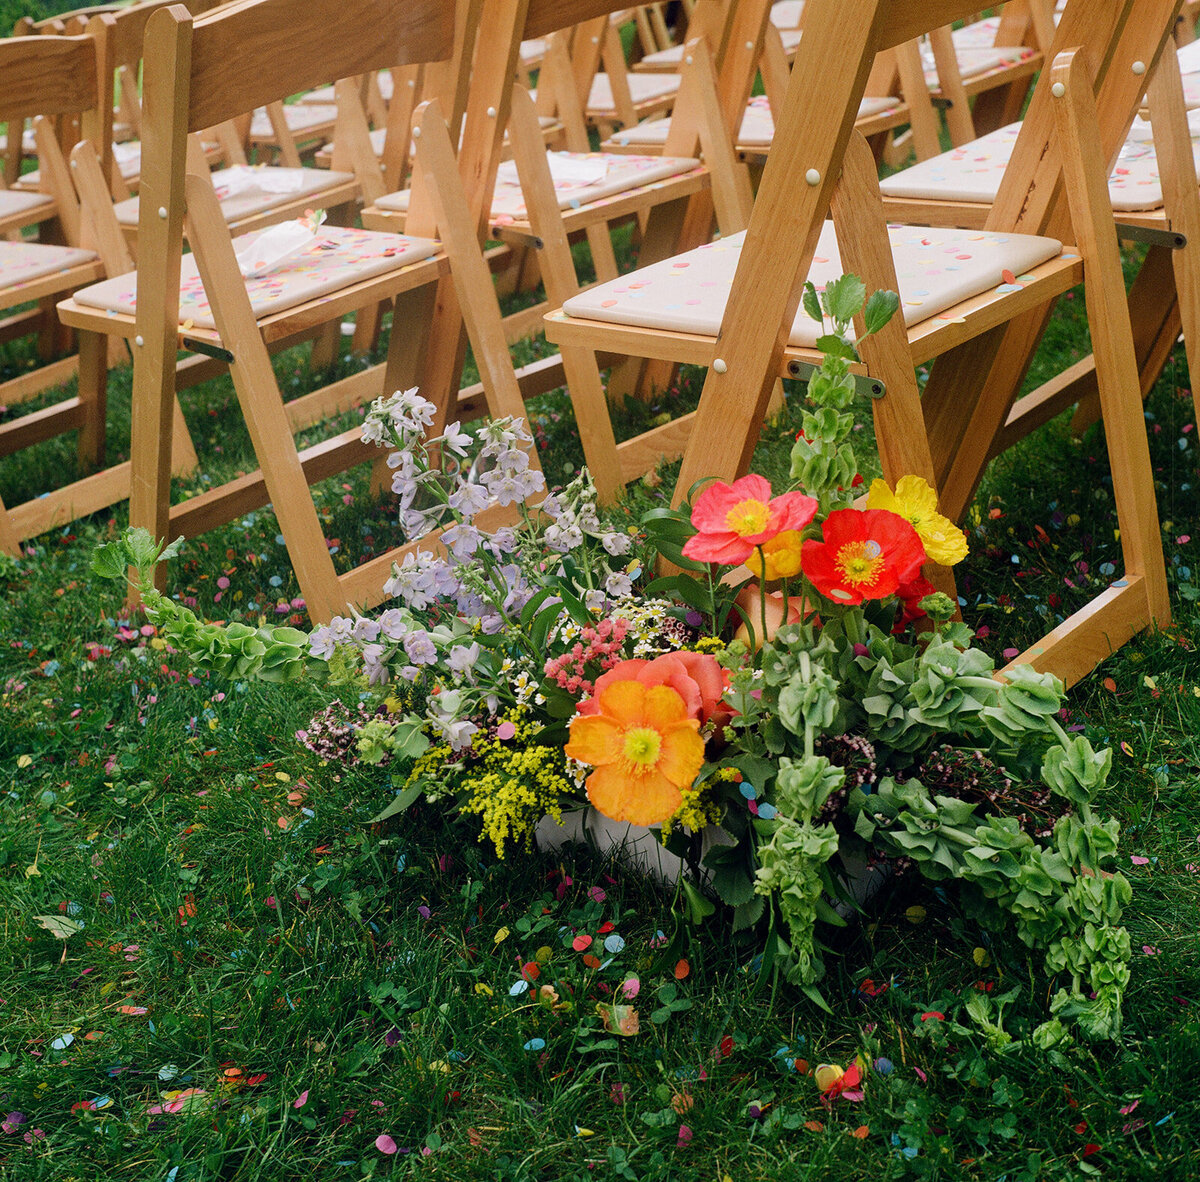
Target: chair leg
[{"x": 93, "y": 398}]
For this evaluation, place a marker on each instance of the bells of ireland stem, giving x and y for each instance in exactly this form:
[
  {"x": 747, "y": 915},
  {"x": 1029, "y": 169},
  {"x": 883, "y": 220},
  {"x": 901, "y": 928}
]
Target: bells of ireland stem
[
  {"x": 1075, "y": 771},
  {"x": 808, "y": 703},
  {"x": 1027, "y": 703},
  {"x": 803, "y": 785}
]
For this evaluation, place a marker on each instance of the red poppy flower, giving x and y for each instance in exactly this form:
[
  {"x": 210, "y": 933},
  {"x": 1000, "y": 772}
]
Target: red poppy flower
[
  {"x": 732, "y": 519},
  {"x": 865, "y": 554}
]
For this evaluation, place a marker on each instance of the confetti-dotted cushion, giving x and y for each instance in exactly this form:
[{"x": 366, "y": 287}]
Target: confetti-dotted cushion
[
  {"x": 337, "y": 258},
  {"x": 785, "y": 14},
  {"x": 973, "y": 172},
  {"x": 758, "y": 125},
  {"x": 975, "y": 61},
  {"x": 643, "y": 88},
  {"x": 978, "y": 34},
  {"x": 936, "y": 269},
  {"x": 673, "y": 54},
  {"x": 247, "y": 202},
  {"x": 23, "y": 262},
  {"x": 622, "y": 173},
  {"x": 300, "y": 118},
  {"x": 20, "y": 201}
]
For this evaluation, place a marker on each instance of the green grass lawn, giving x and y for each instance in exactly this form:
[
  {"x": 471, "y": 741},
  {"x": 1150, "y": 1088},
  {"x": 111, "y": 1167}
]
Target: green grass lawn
[{"x": 269, "y": 986}]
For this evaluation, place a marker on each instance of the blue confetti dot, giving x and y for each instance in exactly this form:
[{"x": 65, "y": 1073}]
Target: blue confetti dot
[
  {"x": 536, "y": 1044},
  {"x": 280, "y": 540},
  {"x": 518, "y": 987},
  {"x": 275, "y": 581},
  {"x": 748, "y": 791},
  {"x": 614, "y": 943},
  {"x": 766, "y": 811}
]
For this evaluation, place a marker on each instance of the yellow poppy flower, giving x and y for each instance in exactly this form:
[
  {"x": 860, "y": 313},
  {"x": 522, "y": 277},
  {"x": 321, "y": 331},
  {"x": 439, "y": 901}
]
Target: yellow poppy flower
[{"x": 916, "y": 502}]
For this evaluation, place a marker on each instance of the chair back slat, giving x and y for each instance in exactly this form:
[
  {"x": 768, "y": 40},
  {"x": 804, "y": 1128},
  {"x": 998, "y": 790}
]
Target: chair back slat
[
  {"x": 902, "y": 20},
  {"x": 46, "y": 76},
  {"x": 300, "y": 54}
]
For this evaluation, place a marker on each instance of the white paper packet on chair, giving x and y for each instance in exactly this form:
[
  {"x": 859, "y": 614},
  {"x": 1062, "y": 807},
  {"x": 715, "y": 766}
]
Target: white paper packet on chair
[{"x": 277, "y": 245}]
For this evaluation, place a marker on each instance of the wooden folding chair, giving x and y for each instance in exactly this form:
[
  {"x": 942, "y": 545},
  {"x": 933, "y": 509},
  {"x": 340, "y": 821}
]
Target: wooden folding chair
[
  {"x": 611, "y": 94},
  {"x": 956, "y": 301},
  {"x": 531, "y": 208},
  {"x": 1154, "y": 196},
  {"x": 985, "y": 83},
  {"x": 250, "y": 198},
  {"x": 199, "y": 73},
  {"x": 51, "y": 77}
]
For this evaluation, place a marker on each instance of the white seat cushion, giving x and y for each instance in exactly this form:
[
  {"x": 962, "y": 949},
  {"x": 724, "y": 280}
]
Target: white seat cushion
[
  {"x": 973, "y": 62},
  {"x": 643, "y": 88},
  {"x": 758, "y": 125},
  {"x": 978, "y": 34},
  {"x": 325, "y": 95},
  {"x": 1189, "y": 58},
  {"x": 785, "y": 14},
  {"x": 973, "y": 172},
  {"x": 21, "y": 201},
  {"x": 673, "y": 54},
  {"x": 23, "y": 262},
  {"x": 613, "y": 174},
  {"x": 300, "y": 118},
  {"x": 936, "y": 269},
  {"x": 532, "y": 52},
  {"x": 256, "y": 190},
  {"x": 337, "y": 258}
]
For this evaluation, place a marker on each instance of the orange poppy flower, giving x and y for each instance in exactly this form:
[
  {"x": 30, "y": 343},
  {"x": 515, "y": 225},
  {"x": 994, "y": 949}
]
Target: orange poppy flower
[{"x": 645, "y": 750}]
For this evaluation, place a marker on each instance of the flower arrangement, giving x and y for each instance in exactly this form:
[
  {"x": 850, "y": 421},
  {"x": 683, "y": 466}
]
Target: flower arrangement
[{"x": 794, "y": 680}]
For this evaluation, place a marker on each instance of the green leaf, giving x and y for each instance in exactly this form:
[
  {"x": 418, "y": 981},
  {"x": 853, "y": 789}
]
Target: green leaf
[
  {"x": 844, "y": 297},
  {"x": 814, "y": 995},
  {"x": 834, "y": 346},
  {"x": 746, "y": 915},
  {"x": 108, "y": 561},
  {"x": 699, "y": 908},
  {"x": 399, "y": 804},
  {"x": 812, "y": 305},
  {"x": 881, "y": 307},
  {"x": 59, "y": 926}
]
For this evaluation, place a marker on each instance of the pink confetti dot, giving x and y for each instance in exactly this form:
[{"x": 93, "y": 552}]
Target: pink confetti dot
[{"x": 385, "y": 1144}]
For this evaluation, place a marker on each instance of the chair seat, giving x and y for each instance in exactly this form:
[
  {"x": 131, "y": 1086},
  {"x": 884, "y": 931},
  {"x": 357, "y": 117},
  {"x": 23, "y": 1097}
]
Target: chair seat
[
  {"x": 643, "y": 88},
  {"x": 244, "y": 192},
  {"x": 15, "y": 202},
  {"x": 23, "y": 262},
  {"x": 324, "y": 96},
  {"x": 580, "y": 178},
  {"x": 972, "y": 62},
  {"x": 532, "y": 52},
  {"x": 973, "y": 172},
  {"x": 1189, "y": 58},
  {"x": 301, "y": 118},
  {"x": 978, "y": 34},
  {"x": 127, "y": 156},
  {"x": 670, "y": 57},
  {"x": 336, "y": 259},
  {"x": 936, "y": 269},
  {"x": 785, "y": 14},
  {"x": 758, "y": 125}
]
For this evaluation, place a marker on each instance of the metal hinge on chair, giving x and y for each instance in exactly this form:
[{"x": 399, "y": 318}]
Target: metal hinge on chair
[
  {"x": 1171, "y": 239},
  {"x": 864, "y": 385},
  {"x": 209, "y": 350}
]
